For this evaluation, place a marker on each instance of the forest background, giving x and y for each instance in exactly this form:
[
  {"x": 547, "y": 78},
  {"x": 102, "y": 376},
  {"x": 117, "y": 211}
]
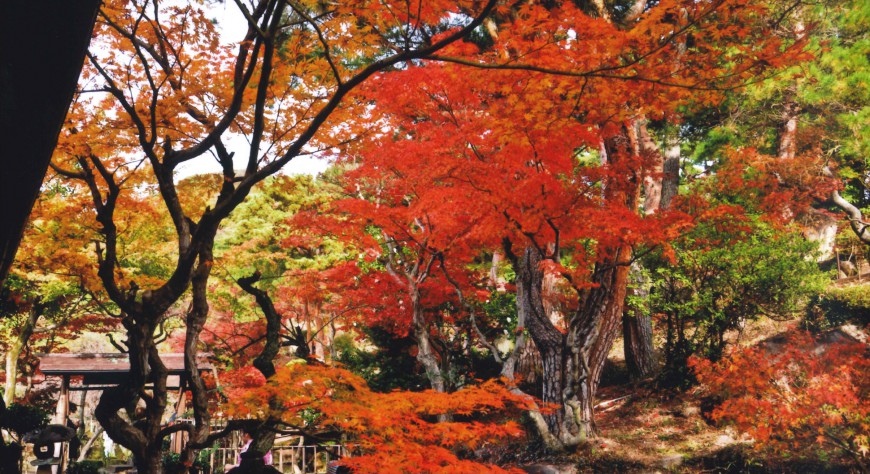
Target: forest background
[{"x": 514, "y": 187}]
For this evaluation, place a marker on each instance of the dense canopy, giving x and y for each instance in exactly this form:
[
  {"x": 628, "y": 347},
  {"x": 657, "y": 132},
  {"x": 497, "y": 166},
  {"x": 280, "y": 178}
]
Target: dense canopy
[{"x": 510, "y": 189}]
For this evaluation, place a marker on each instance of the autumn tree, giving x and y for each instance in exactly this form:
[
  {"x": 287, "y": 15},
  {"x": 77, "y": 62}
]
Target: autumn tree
[
  {"x": 410, "y": 250},
  {"x": 52, "y": 293},
  {"x": 369, "y": 289},
  {"x": 535, "y": 139},
  {"x": 520, "y": 112},
  {"x": 161, "y": 91},
  {"x": 256, "y": 239}
]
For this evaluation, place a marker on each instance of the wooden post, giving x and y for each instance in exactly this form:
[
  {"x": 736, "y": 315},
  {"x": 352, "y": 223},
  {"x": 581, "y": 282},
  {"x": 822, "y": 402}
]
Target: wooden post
[
  {"x": 178, "y": 438},
  {"x": 60, "y": 417},
  {"x": 294, "y": 459},
  {"x": 62, "y": 410}
]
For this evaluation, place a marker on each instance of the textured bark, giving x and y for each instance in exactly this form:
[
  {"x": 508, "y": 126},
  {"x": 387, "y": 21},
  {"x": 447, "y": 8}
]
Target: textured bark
[
  {"x": 426, "y": 354},
  {"x": 637, "y": 336},
  {"x": 152, "y": 463},
  {"x": 595, "y": 327},
  {"x": 527, "y": 363},
  {"x": 572, "y": 362},
  {"x": 670, "y": 171},
  {"x": 787, "y": 147},
  {"x": 653, "y": 184},
  {"x": 659, "y": 189},
  {"x": 141, "y": 435},
  {"x": 601, "y": 10},
  {"x": 821, "y": 227},
  {"x": 196, "y": 319},
  {"x": 548, "y": 340},
  {"x": 15, "y": 350}
]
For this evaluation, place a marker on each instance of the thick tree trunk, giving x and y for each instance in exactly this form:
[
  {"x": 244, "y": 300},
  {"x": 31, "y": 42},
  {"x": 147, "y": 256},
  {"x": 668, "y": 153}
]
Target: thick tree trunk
[
  {"x": 426, "y": 354},
  {"x": 568, "y": 422},
  {"x": 660, "y": 188},
  {"x": 821, "y": 227},
  {"x": 527, "y": 361},
  {"x": 637, "y": 331},
  {"x": 151, "y": 462},
  {"x": 670, "y": 171},
  {"x": 572, "y": 362},
  {"x": 548, "y": 340},
  {"x": 643, "y": 145},
  {"x": 594, "y": 328},
  {"x": 141, "y": 434},
  {"x": 196, "y": 319}
]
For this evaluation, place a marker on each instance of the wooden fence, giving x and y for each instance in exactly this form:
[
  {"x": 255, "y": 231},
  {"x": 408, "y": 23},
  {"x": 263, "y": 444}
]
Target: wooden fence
[{"x": 287, "y": 459}]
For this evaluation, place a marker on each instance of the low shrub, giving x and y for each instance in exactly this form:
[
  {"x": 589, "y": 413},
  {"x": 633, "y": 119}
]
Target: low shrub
[
  {"x": 85, "y": 467},
  {"x": 23, "y": 418},
  {"x": 837, "y": 306},
  {"x": 804, "y": 397}
]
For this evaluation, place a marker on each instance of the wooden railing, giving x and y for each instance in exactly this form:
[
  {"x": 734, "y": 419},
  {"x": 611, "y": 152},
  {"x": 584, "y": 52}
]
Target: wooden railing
[{"x": 287, "y": 459}]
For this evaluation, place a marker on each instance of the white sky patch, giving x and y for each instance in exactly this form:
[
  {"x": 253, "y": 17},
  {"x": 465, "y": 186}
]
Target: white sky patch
[
  {"x": 230, "y": 21},
  {"x": 232, "y": 27}
]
